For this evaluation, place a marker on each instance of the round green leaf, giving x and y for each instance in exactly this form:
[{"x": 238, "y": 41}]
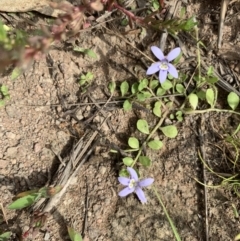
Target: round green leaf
[
  {"x": 134, "y": 88},
  {"x": 210, "y": 97},
  {"x": 157, "y": 109},
  {"x": 124, "y": 88},
  {"x": 128, "y": 161},
  {"x": 142, "y": 126},
  {"x": 160, "y": 91},
  {"x": 90, "y": 53},
  {"x": 166, "y": 85},
  {"x": 180, "y": 88},
  {"x": 193, "y": 100},
  {"x": 146, "y": 94},
  {"x": 127, "y": 105},
  {"x": 169, "y": 131},
  {"x": 133, "y": 142},
  {"x": 112, "y": 87},
  {"x": 145, "y": 161},
  {"x": 155, "y": 144},
  {"x": 233, "y": 100},
  {"x": 143, "y": 84},
  {"x": 141, "y": 97},
  {"x": 23, "y": 201},
  {"x": 153, "y": 84}
]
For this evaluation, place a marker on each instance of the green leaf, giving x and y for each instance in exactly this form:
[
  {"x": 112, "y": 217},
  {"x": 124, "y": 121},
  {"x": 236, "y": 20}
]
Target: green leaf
[
  {"x": 83, "y": 80},
  {"x": 180, "y": 88},
  {"x": 90, "y": 53},
  {"x": 143, "y": 84},
  {"x": 210, "y": 71},
  {"x": 112, "y": 87},
  {"x": 124, "y": 88},
  {"x": 179, "y": 115},
  {"x": 4, "y": 90},
  {"x": 124, "y": 22},
  {"x": 124, "y": 173},
  {"x": 5, "y": 236},
  {"x": 191, "y": 22},
  {"x": 145, "y": 161},
  {"x": 237, "y": 237},
  {"x": 169, "y": 131},
  {"x": 141, "y": 97},
  {"x": 153, "y": 84},
  {"x": 78, "y": 49},
  {"x": 160, "y": 91},
  {"x": 134, "y": 88},
  {"x": 142, "y": 126},
  {"x": 74, "y": 236},
  {"x": 157, "y": 109},
  {"x": 127, "y": 105},
  {"x": 86, "y": 78},
  {"x": 2, "y": 103},
  {"x": 133, "y": 142},
  {"x": 201, "y": 95},
  {"x": 166, "y": 85},
  {"x": 233, "y": 100},
  {"x": 128, "y": 161},
  {"x": 89, "y": 76},
  {"x": 210, "y": 97},
  {"x": 212, "y": 80},
  {"x": 193, "y": 100},
  {"x": 24, "y": 201},
  {"x": 16, "y": 73},
  {"x": 155, "y": 144}
]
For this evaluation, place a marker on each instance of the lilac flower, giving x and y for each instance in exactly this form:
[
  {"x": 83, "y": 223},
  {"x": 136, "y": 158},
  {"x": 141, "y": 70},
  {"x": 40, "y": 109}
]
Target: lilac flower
[
  {"x": 163, "y": 66},
  {"x": 134, "y": 185}
]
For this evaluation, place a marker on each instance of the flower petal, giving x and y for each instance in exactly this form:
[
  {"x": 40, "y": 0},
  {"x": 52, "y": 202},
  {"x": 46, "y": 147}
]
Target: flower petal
[
  {"x": 173, "y": 54},
  {"x": 145, "y": 182},
  {"x": 141, "y": 195},
  {"x": 126, "y": 191},
  {"x": 172, "y": 70},
  {"x": 124, "y": 180},
  {"x": 162, "y": 75},
  {"x": 158, "y": 52},
  {"x": 132, "y": 173},
  {"x": 153, "y": 68}
]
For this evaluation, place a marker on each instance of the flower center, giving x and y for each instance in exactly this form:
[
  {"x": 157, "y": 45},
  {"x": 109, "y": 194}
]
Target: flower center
[
  {"x": 132, "y": 183},
  {"x": 163, "y": 66}
]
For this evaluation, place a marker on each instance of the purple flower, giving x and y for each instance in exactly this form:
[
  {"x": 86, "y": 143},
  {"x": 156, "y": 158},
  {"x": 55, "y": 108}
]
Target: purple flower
[
  {"x": 134, "y": 185},
  {"x": 163, "y": 66}
]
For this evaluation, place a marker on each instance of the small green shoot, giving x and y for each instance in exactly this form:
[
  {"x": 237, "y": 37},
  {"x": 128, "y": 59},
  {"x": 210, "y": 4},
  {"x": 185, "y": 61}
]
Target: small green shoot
[
  {"x": 5, "y": 236},
  {"x": 74, "y": 236},
  {"x": 90, "y": 53},
  {"x": 4, "y": 94}
]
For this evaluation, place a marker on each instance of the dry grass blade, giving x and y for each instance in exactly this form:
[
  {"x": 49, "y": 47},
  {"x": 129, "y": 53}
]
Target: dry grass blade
[{"x": 79, "y": 155}]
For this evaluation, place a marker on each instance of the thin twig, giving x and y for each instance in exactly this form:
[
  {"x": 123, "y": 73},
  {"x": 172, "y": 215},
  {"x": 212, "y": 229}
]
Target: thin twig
[{"x": 4, "y": 214}]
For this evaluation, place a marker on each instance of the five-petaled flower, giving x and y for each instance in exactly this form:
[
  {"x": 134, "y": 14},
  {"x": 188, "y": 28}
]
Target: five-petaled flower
[
  {"x": 134, "y": 185},
  {"x": 163, "y": 66}
]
